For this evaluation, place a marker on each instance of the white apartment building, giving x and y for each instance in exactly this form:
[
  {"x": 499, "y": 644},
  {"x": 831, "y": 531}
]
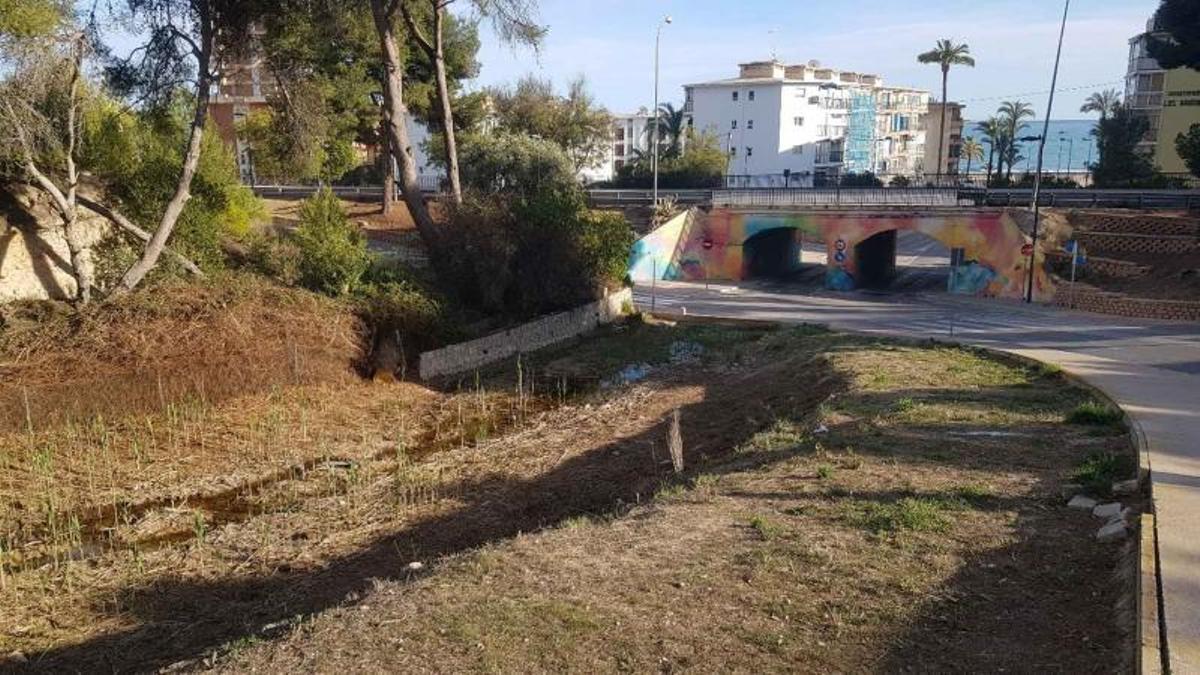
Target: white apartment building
[
  {"x": 629, "y": 139},
  {"x": 807, "y": 122}
]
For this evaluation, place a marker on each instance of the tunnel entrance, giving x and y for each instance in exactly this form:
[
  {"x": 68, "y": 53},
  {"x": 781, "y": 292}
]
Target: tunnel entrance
[
  {"x": 773, "y": 254},
  {"x": 903, "y": 261},
  {"x": 876, "y": 260}
]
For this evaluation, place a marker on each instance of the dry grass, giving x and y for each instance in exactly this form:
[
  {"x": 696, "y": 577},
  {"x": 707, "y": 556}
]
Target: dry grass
[
  {"x": 553, "y": 534},
  {"x": 173, "y": 345}
]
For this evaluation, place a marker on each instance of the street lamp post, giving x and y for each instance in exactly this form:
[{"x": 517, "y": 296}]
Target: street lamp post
[
  {"x": 656, "y": 119},
  {"x": 1037, "y": 180}
]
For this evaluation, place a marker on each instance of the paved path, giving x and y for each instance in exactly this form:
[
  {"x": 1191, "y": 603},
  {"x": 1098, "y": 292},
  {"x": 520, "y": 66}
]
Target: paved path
[{"x": 1151, "y": 368}]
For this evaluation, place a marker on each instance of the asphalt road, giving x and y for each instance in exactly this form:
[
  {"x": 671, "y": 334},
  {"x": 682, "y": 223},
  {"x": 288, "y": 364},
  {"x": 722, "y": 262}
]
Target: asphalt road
[{"x": 1151, "y": 368}]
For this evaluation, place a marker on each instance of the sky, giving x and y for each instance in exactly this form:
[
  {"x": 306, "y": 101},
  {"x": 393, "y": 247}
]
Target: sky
[{"x": 611, "y": 43}]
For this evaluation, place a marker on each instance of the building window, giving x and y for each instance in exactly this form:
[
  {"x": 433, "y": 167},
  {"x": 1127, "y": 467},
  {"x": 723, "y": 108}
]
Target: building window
[
  {"x": 749, "y": 124},
  {"x": 751, "y": 96},
  {"x": 733, "y": 125},
  {"x": 733, "y": 151},
  {"x": 798, "y": 121},
  {"x": 797, "y": 149},
  {"x": 749, "y": 151},
  {"x": 814, "y": 100},
  {"x": 735, "y": 95}
]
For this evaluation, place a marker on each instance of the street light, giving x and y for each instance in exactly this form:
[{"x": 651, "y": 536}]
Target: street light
[
  {"x": 1037, "y": 179},
  {"x": 654, "y": 131}
]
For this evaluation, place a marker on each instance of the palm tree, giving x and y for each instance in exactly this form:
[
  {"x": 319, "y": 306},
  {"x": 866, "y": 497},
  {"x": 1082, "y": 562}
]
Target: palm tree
[
  {"x": 972, "y": 150},
  {"x": 1103, "y": 102},
  {"x": 992, "y": 132},
  {"x": 946, "y": 54},
  {"x": 672, "y": 124},
  {"x": 1011, "y": 113}
]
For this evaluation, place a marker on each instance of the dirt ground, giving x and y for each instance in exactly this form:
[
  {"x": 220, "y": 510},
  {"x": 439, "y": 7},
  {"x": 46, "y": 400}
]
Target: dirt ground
[{"x": 845, "y": 504}]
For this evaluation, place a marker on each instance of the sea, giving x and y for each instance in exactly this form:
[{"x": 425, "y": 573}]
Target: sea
[{"x": 1069, "y": 146}]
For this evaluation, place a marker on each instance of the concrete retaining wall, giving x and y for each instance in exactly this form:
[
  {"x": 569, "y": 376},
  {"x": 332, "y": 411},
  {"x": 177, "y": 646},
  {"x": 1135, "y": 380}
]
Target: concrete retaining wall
[{"x": 548, "y": 330}]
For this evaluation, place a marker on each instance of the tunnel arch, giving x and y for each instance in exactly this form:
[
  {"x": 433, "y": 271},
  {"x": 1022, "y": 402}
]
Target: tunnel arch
[{"x": 772, "y": 253}]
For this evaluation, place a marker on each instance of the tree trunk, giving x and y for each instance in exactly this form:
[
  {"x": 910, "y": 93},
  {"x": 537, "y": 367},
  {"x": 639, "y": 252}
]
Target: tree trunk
[
  {"x": 991, "y": 160},
  {"x": 389, "y": 172},
  {"x": 125, "y": 224},
  {"x": 166, "y": 225},
  {"x": 942, "y": 127},
  {"x": 396, "y": 116},
  {"x": 443, "y": 88},
  {"x": 436, "y": 51}
]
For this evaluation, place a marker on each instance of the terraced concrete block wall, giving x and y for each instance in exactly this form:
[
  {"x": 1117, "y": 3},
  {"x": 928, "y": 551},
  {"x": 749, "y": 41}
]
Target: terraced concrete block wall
[
  {"x": 1109, "y": 243},
  {"x": 546, "y": 331},
  {"x": 1094, "y": 300},
  {"x": 1138, "y": 224}
]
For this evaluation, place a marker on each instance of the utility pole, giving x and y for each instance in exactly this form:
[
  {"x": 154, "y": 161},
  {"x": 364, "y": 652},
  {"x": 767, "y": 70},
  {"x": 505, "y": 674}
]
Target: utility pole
[
  {"x": 656, "y": 119},
  {"x": 1037, "y": 180}
]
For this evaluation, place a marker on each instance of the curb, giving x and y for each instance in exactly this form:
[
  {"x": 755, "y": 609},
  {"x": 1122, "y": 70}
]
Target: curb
[
  {"x": 1151, "y": 656},
  {"x": 1152, "y": 651}
]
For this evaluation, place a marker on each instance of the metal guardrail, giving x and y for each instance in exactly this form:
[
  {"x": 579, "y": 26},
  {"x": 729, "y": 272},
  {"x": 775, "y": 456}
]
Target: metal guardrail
[
  {"x": 1085, "y": 198},
  {"x": 841, "y": 197},
  {"x": 608, "y": 197},
  {"x": 784, "y": 197}
]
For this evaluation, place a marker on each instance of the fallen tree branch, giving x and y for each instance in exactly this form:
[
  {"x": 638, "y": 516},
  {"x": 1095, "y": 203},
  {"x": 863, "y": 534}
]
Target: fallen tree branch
[{"x": 127, "y": 225}]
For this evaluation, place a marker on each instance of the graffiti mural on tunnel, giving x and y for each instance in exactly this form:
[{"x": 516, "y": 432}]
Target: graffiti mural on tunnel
[{"x": 729, "y": 244}]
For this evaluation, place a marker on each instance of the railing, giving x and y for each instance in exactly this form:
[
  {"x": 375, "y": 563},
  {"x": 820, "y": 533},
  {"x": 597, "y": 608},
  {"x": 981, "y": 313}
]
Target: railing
[
  {"x": 841, "y": 197},
  {"x": 428, "y": 184},
  {"x": 646, "y": 197},
  {"x": 962, "y": 195},
  {"x": 1089, "y": 198}
]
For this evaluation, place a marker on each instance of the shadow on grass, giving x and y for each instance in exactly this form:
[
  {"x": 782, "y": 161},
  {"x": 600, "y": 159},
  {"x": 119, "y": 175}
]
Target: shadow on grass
[{"x": 184, "y": 619}]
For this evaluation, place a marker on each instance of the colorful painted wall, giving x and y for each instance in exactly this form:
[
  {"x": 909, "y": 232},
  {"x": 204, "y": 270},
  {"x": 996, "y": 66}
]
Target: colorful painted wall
[{"x": 698, "y": 246}]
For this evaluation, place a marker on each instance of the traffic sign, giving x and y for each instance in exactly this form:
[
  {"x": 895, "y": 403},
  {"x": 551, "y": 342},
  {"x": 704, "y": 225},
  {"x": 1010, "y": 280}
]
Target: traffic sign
[{"x": 1027, "y": 250}]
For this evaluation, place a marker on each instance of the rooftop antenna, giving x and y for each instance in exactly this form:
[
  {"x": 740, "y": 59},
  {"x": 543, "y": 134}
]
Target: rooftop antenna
[{"x": 771, "y": 39}]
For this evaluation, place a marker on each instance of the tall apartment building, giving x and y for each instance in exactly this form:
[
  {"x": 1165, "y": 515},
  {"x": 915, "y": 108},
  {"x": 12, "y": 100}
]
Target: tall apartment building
[
  {"x": 951, "y": 137},
  {"x": 629, "y": 138},
  {"x": 809, "y": 122},
  {"x": 247, "y": 84},
  {"x": 242, "y": 89},
  {"x": 1168, "y": 99}
]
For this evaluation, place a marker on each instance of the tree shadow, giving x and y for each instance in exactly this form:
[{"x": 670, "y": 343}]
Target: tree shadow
[
  {"x": 42, "y": 257},
  {"x": 184, "y": 618},
  {"x": 1026, "y": 590}
]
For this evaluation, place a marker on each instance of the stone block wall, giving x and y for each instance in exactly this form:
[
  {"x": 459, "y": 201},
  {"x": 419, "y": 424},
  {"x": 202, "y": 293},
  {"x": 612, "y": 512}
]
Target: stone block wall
[
  {"x": 1091, "y": 299},
  {"x": 1137, "y": 224},
  {"x": 543, "y": 332},
  {"x": 1107, "y": 243}
]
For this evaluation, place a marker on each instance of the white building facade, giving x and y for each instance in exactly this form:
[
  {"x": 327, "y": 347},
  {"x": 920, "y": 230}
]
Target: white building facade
[
  {"x": 628, "y": 141},
  {"x": 805, "y": 123}
]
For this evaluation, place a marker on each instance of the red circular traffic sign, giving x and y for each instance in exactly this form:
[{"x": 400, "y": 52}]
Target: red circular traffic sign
[{"x": 1027, "y": 250}]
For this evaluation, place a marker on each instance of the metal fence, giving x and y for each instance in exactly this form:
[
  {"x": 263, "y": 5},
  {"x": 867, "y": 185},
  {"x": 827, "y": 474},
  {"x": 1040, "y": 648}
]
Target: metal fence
[
  {"x": 783, "y": 197},
  {"x": 790, "y": 197}
]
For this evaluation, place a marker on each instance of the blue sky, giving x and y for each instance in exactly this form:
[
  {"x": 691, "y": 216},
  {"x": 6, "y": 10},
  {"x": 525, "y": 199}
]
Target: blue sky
[{"x": 611, "y": 42}]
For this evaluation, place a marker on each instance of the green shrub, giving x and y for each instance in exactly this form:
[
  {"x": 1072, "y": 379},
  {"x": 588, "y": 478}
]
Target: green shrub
[
  {"x": 333, "y": 254},
  {"x": 1095, "y": 414},
  {"x": 1100, "y": 470},
  {"x": 531, "y": 254},
  {"x": 276, "y": 257},
  {"x": 408, "y": 311},
  {"x": 138, "y": 156}
]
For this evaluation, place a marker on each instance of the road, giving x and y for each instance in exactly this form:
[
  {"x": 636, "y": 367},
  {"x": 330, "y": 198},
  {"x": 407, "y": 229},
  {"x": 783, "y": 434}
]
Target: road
[{"x": 1150, "y": 368}]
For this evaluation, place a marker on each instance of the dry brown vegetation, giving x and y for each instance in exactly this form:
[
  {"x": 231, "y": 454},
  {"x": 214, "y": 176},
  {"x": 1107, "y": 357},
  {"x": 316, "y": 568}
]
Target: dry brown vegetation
[{"x": 549, "y": 529}]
